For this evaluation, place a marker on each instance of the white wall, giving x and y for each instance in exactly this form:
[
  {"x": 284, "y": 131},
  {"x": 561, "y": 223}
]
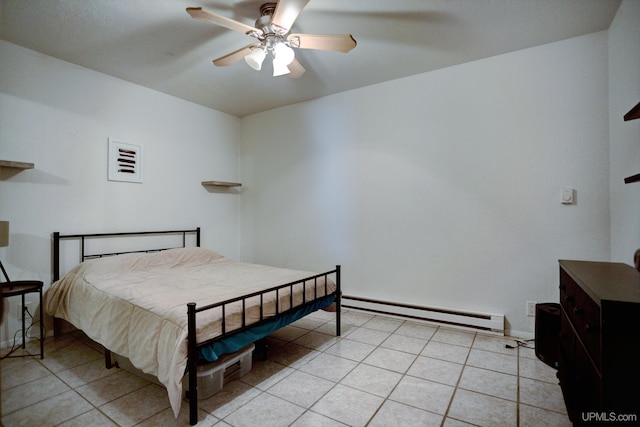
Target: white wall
[
  {"x": 624, "y": 93},
  {"x": 60, "y": 116},
  {"x": 440, "y": 189}
]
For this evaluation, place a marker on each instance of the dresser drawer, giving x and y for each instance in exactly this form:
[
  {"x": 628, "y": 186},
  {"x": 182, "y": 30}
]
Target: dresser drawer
[{"x": 584, "y": 315}]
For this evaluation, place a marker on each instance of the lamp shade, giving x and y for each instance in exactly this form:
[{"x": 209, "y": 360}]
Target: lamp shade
[
  {"x": 4, "y": 233},
  {"x": 255, "y": 58},
  {"x": 280, "y": 68},
  {"x": 284, "y": 53}
]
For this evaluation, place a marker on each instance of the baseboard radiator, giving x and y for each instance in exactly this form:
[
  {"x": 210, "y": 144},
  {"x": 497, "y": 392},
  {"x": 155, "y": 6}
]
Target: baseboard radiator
[{"x": 489, "y": 323}]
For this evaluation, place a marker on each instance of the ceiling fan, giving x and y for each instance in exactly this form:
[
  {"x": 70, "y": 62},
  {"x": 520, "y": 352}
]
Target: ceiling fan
[{"x": 272, "y": 31}]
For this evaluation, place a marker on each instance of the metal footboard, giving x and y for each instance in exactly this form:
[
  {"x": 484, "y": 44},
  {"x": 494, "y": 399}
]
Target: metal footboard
[{"x": 192, "y": 310}]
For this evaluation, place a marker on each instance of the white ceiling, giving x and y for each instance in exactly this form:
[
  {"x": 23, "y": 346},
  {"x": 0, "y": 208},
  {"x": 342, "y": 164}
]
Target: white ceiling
[{"x": 155, "y": 43}]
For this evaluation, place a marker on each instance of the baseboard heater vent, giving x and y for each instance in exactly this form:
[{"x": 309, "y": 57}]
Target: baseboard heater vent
[{"x": 489, "y": 323}]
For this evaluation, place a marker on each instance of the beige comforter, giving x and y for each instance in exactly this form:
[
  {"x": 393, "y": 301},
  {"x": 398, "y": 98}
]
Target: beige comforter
[{"x": 136, "y": 304}]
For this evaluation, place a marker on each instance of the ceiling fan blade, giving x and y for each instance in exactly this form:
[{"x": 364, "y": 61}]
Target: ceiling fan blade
[
  {"x": 236, "y": 56},
  {"x": 287, "y": 12},
  {"x": 296, "y": 69},
  {"x": 336, "y": 42},
  {"x": 208, "y": 16}
]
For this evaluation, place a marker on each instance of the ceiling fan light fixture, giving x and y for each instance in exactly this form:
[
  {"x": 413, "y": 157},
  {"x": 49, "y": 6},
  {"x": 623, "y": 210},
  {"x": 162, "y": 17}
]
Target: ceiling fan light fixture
[
  {"x": 283, "y": 53},
  {"x": 279, "y": 68},
  {"x": 272, "y": 32},
  {"x": 256, "y": 58}
]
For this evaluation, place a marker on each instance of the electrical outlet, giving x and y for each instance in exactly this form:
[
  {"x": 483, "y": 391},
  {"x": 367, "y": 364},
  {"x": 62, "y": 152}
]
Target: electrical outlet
[
  {"x": 531, "y": 308},
  {"x": 19, "y": 309}
]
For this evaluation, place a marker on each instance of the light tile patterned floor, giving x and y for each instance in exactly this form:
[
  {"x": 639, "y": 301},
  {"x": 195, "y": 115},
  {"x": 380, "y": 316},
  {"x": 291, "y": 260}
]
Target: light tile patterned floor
[{"x": 381, "y": 372}]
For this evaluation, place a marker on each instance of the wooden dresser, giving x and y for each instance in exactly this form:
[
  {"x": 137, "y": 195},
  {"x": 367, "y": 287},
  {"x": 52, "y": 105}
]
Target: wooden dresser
[{"x": 599, "y": 360}]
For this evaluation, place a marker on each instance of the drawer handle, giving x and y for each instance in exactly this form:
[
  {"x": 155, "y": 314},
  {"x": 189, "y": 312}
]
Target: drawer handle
[
  {"x": 568, "y": 298},
  {"x": 588, "y": 328},
  {"x": 578, "y": 311}
]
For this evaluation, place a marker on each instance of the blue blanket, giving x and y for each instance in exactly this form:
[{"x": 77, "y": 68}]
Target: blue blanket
[{"x": 211, "y": 352}]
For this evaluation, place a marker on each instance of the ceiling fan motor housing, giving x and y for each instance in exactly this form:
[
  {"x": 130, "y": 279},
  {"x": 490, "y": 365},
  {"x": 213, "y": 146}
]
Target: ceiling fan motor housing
[
  {"x": 268, "y": 9},
  {"x": 264, "y": 22}
]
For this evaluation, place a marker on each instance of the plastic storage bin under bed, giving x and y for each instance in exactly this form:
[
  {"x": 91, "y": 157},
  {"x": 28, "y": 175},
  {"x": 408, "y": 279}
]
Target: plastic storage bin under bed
[{"x": 212, "y": 376}]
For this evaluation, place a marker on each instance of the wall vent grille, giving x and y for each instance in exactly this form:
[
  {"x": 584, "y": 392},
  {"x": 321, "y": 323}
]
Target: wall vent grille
[{"x": 125, "y": 162}]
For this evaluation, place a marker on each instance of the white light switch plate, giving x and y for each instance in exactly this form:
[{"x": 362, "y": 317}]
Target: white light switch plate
[{"x": 567, "y": 195}]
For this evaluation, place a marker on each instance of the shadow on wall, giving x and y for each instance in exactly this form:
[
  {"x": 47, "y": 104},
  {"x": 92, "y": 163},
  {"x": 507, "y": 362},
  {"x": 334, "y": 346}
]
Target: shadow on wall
[
  {"x": 223, "y": 188},
  {"x": 28, "y": 256},
  {"x": 31, "y": 176}
]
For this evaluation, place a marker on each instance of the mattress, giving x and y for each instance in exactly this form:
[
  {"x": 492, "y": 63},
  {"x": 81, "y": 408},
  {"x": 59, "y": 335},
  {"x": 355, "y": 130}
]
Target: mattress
[{"x": 136, "y": 304}]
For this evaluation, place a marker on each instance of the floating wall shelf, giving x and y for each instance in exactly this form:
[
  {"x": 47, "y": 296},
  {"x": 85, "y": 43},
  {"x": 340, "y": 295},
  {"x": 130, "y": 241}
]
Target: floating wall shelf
[
  {"x": 634, "y": 178},
  {"x": 634, "y": 113},
  {"x": 221, "y": 184},
  {"x": 15, "y": 165}
]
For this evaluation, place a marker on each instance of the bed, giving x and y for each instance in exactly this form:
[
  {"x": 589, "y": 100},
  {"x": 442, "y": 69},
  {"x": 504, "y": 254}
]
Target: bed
[{"x": 169, "y": 309}]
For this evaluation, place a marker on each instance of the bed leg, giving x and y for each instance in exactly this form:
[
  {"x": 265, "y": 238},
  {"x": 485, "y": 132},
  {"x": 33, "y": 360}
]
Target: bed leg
[
  {"x": 57, "y": 327},
  {"x": 261, "y": 349},
  {"x": 192, "y": 363},
  {"x": 338, "y": 297},
  {"x": 107, "y": 359}
]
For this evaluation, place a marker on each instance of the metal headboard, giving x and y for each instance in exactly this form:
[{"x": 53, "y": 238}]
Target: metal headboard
[{"x": 57, "y": 237}]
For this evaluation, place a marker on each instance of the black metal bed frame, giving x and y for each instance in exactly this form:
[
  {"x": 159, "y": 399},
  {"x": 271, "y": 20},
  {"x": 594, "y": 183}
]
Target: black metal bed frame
[{"x": 192, "y": 310}]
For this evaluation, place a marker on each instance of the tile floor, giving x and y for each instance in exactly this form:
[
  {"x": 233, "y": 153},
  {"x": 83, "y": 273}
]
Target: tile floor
[{"x": 381, "y": 372}]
